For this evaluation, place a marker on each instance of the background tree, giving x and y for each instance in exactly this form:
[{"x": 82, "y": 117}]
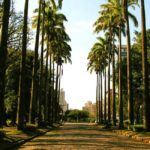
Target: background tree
[
  {"x": 146, "y": 94},
  {"x": 21, "y": 98},
  {"x": 3, "y": 55}
]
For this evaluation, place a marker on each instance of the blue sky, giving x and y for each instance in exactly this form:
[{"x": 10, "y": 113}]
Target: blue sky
[{"x": 79, "y": 84}]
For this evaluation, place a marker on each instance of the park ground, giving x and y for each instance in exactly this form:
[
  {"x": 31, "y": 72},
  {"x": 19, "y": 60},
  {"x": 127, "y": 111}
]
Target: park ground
[{"x": 83, "y": 136}]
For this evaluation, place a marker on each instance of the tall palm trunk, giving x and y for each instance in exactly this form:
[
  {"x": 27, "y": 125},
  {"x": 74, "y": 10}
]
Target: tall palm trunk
[
  {"x": 50, "y": 112},
  {"x": 46, "y": 87},
  {"x": 109, "y": 114},
  {"x": 56, "y": 93},
  {"x": 99, "y": 97},
  {"x": 33, "y": 101},
  {"x": 146, "y": 99},
  {"x": 101, "y": 78},
  {"x": 129, "y": 70},
  {"x": 120, "y": 82},
  {"x": 21, "y": 99},
  {"x": 53, "y": 95},
  {"x": 97, "y": 104},
  {"x": 105, "y": 97},
  {"x": 113, "y": 86},
  {"x": 3, "y": 56},
  {"x": 41, "y": 69},
  {"x": 59, "y": 85}
]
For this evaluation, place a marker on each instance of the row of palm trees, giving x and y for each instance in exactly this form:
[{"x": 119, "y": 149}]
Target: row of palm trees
[
  {"x": 113, "y": 21},
  {"x": 54, "y": 51}
]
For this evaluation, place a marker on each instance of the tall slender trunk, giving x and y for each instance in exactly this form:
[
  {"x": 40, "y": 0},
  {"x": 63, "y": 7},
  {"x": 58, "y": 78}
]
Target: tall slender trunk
[
  {"x": 129, "y": 78},
  {"x": 146, "y": 100},
  {"x": 41, "y": 69},
  {"x": 3, "y": 56},
  {"x": 99, "y": 97},
  {"x": 109, "y": 114},
  {"x": 46, "y": 87},
  {"x": 53, "y": 96},
  {"x": 129, "y": 68},
  {"x": 105, "y": 115},
  {"x": 120, "y": 82},
  {"x": 113, "y": 86},
  {"x": 50, "y": 112},
  {"x": 101, "y": 78},
  {"x": 56, "y": 93},
  {"x": 59, "y": 85},
  {"x": 21, "y": 99},
  {"x": 33, "y": 101},
  {"x": 97, "y": 104}
]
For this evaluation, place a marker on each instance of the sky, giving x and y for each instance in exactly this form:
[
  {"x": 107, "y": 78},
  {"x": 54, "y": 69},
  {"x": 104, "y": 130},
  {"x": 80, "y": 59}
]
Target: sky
[{"x": 78, "y": 84}]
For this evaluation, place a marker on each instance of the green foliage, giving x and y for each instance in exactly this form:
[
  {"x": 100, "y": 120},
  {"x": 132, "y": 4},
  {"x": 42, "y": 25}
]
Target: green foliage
[
  {"x": 138, "y": 40},
  {"x": 137, "y": 75},
  {"x": 77, "y": 115},
  {"x": 56, "y": 40},
  {"x": 98, "y": 56},
  {"x": 11, "y": 101},
  {"x": 15, "y": 29},
  {"x": 12, "y": 81}
]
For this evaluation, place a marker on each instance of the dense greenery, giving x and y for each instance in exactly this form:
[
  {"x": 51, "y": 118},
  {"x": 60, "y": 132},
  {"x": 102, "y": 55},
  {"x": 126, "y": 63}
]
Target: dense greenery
[
  {"x": 30, "y": 80},
  {"x": 128, "y": 99},
  {"x": 137, "y": 78},
  {"x": 76, "y": 115}
]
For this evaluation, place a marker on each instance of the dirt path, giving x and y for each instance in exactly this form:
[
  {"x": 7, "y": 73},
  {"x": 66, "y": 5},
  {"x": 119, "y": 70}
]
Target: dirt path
[{"x": 82, "y": 137}]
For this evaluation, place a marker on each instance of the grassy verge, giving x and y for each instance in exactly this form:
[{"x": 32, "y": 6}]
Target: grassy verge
[{"x": 10, "y": 135}]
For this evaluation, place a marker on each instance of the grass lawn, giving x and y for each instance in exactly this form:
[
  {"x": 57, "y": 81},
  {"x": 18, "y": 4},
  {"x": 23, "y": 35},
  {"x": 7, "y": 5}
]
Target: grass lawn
[{"x": 10, "y": 135}]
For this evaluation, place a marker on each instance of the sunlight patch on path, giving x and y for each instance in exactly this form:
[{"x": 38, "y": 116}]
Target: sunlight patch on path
[{"x": 82, "y": 137}]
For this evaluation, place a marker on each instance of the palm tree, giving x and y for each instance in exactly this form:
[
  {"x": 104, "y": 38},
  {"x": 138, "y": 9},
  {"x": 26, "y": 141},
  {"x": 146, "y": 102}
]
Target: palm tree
[
  {"x": 97, "y": 100},
  {"x": 121, "y": 27},
  {"x": 46, "y": 86},
  {"x": 105, "y": 22},
  {"x": 93, "y": 64},
  {"x": 98, "y": 57},
  {"x": 125, "y": 5},
  {"x": 50, "y": 112},
  {"x": 33, "y": 101},
  {"x": 146, "y": 100},
  {"x": 21, "y": 99},
  {"x": 41, "y": 67},
  {"x": 109, "y": 61},
  {"x": 120, "y": 82},
  {"x": 62, "y": 54},
  {"x": 129, "y": 75},
  {"x": 115, "y": 9},
  {"x": 3, "y": 56},
  {"x": 111, "y": 12},
  {"x": 99, "y": 97},
  {"x": 101, "y": 104},
  {"x": 56, "y": 38},
  {"x": 105, "y": 95},
  {"x": 113, "y": 84}
]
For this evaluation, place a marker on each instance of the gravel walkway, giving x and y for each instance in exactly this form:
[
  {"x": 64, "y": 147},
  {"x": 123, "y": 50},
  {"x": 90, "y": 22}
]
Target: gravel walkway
[{"x": 81, "y": 136}]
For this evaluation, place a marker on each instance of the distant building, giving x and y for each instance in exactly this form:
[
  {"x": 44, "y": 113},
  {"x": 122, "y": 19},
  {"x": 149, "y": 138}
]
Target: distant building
[
  {"x": 91, "y": 108},
  {"x": 123, "y": 50},
  {"x": 62, "y": 102}
]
